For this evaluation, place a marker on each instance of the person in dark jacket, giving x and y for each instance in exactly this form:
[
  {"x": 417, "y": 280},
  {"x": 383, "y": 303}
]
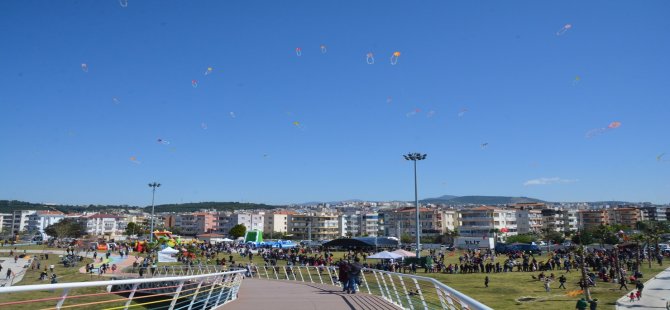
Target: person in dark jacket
[
  {"x": 354, "y": 275},
  {"x": 343, "y": 275}
]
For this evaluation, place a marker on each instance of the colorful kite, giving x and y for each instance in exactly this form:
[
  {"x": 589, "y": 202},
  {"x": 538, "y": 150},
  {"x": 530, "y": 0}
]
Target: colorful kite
[
  {"x": 484, "y": 145},
  {"x": 598, "y": 131},
  {"x": 209, "y": 70},
  {"x": 298, "y": 51},
  {"x": 323, "y": 49},
  {"x": 194, "y": 83},
  {"x": 462, "y": 112},
  {"x": 116, "y": 100},
  {"x": 84, "y": 67},
  {"x": 659, "y": 158},
  {"x": 232, "y": 114},
  {"x": 394, "y": 58},
  {"x": 134, "y": 160},
  {"x": 370, "y": 59},
  {"x": 161, "y": 141},
  {"x": 203, "y": 125},
  {"x": 123, "y": 3}
]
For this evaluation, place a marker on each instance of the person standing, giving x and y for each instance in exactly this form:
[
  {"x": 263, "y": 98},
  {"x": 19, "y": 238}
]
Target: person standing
[
  {"x": 343, "y": 275},
  {"x": 639, "y": 286},
  {"x": 593, "y": 304},
  {"x": 547, "y": 284},
  {"x": 581, "y": 304},
  {"x": 354, "y": 275},
  {"x": 622, "y": 283},
  {"x": 9, "y": 273},
  {"x": 486, "y": 281}
]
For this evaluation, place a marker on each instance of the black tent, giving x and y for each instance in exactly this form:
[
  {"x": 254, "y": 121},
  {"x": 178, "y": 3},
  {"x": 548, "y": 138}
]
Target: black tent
[{"x": 363, "y": 242}]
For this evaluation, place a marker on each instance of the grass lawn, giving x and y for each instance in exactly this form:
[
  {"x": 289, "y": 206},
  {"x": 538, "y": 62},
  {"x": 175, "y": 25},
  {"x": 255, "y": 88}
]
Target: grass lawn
[{"x": 504, "y": 288}]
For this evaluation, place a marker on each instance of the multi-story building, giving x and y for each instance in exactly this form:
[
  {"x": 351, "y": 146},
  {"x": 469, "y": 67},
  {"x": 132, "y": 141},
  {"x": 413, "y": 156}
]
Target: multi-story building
[
  {"x": 654, "y": 213},
  {"x": 6, "y": 221},
  {"x": 356, "y": 223},
  {"x": 451, "y": 220},
  {"x": 226, "y": 221},
  {"x": 484, "y": 221},
  {"x": 191, "y": 224},
  {"x": 553, "y": 220},
  {"x": 42, "y": 219},
  {"x": 402, "y": 221},
  {"x": 529, "y": 221},
  {"x": 276, "y": 222},
  {"x": 625, "y": 216},
  {"x": 101, "y": 224},
  {"x": 20, "y": 220},
  {"x": 318, "y": 226},
  {"x": 592, "y": 219},
  {"x": 570, "y": 221}
]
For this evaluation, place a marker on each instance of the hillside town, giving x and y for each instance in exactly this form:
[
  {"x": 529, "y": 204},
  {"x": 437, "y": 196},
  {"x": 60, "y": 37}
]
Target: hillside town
[{"x": 324, "y": 221}]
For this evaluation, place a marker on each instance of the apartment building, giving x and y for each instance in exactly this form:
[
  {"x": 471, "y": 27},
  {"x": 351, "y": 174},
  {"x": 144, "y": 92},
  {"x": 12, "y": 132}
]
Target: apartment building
[
  {"x": 276, "y": 222},
  {"x": 559, "y": 220},
  {"x": 191, "y": 224},
  {"x": 592, "y": 219},
  {"x": 318, "y": 226},
  {"x": 226, "y": 221},
  {"x": 356, "y": 223},
  {"x": 20, "y": 220},
  {"x": 655, "y": 213},
  {"x": 529, "y": 221},
  {"x": 42, "y": 219},
  {"x": 101, "y": 224},
  {"x": 6, "y": 220},
  {"x": 401, "y": 221},
  {"x": 483, "y": 221},
  {"x": 625, "y": 216}
]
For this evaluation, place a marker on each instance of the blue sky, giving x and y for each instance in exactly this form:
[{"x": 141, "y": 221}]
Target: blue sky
[{"x": 64, "y": 139}]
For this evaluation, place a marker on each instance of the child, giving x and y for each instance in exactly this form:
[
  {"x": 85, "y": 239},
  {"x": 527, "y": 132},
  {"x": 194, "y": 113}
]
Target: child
[
  {"x": 638, "y": 294},
  {"x": 632, "y": 297}
]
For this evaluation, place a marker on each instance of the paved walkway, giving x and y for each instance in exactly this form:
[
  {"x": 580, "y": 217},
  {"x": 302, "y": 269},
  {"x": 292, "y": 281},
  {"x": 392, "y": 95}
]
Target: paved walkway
[
  {"x": 279, "y": 295},
  {"x": 18, "y": 269},
  {"x": 655, "y": 295}
]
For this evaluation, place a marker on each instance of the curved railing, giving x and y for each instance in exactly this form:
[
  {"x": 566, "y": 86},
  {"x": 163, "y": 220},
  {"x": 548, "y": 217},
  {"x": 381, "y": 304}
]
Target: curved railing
[
  {"x": 406, "y": 291},
  {"x": 204, "y": 291}
]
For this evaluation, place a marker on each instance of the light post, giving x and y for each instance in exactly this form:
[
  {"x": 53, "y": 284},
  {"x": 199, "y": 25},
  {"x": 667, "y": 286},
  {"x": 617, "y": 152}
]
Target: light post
[
  {"x": 415, "y": 157},
  {"x": 153, "y": 185}
]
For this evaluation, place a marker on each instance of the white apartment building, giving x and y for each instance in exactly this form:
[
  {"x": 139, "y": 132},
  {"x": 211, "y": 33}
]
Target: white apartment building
[
  {"x": 356, "y": 223},
  {"x": 42, "y": 219},
  {"x": 451, "y": 219},
  {"x": 275, "y": 222},
  {"x": 102, "y": 224},
  {"x": 482, "y": 222},
  {"x": 252, "y": 221},
  {"x": 6, "y": 220},
  {"x": 402, "y": 221},
  {"x": 20, "y": 220}
]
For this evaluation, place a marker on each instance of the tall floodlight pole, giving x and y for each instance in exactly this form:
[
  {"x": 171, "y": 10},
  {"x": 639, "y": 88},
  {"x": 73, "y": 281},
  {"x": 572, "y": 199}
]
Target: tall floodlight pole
[
  {"x": 416, "y": 157},
  {"x": 153, "y": 186}
]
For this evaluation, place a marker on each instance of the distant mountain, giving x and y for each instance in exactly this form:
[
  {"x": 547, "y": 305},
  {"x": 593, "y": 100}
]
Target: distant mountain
[
  {"x": 478, "y": 200},
  {"x": 314, "y": 203}
]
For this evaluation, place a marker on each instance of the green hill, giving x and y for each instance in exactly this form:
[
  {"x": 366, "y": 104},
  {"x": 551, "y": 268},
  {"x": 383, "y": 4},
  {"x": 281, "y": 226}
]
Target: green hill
[{"x": 218, "y": 206}]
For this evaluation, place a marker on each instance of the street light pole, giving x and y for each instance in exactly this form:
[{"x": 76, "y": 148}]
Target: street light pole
[
  {"x": 153, "y": 185},
  {"x": 415, "y": 157}
]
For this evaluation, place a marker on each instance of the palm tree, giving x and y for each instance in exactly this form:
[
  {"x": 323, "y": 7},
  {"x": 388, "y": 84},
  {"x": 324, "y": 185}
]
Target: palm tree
[{"x": 637, "y": 238}]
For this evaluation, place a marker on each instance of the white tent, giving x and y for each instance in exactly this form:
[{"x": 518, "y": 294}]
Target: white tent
[
  {"x": 227, "y": 240},
  {"x": 385, "y": 255},
  {"x": 167, "y": 255},
  {"x": 404, "y": 253}
]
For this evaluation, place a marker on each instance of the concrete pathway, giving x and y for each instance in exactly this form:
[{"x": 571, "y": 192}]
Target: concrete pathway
[
  {"x": 655, "y": 295},
  {"x": 279, "y": 295},
  {"x": 18, "y": 269}
]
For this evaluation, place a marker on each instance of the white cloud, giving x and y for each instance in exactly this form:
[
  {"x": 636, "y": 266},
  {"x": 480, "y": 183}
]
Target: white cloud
[{"x": 547, "y": 181}]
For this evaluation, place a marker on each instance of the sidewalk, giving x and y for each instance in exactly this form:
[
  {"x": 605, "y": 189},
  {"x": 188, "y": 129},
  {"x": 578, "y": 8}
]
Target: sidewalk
[
  {"x": 655, "y": 295},
  {"x": 17, "y": 268}
]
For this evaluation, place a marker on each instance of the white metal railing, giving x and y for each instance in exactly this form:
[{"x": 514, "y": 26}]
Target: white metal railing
[
  {"x": 204, "y": 291},
  {"x": 406, "y": 291},
  {"x": 178, "y": 270}
]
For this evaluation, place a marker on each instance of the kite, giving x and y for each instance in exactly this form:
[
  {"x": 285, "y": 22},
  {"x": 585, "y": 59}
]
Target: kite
[
  {"x": 203, "y": 126},
  {"x": 209, "y": 70},
  {"x": 370, "y": 59},
  {"x": 323, "y": 49},
  {"x": 298, "y": 51},
  {"x": 134, "y": 160},
  {"x": 462, "y": 112},
  {"x": 232, "y": 114},
  {"x": 577, "y": 79},
  {"x": 659, "y": 158},
  {"x": 123, "y": 3},
  {"x": 484, "y": 145},
  {"x": 574, "y": 293},
  {"x": 296, "y": 123},
  {"x": 389, "y": 99},
  {"x": 598, "y": 131},
  {"x": 563, "y": 30},
  {"x": 84, "y": 67},
  {"x": 394, "y": 58},
  {"x": 412, "y": 113},
  {"x": 161, "y": 141},
  {"x": 430, "y": 114},
  {"x": 116, "y": 100},
  {"x": 194, "y": 83}
]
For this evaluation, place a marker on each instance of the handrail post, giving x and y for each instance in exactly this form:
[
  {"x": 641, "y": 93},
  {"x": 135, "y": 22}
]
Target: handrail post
[
  {"x": 440, "y": 297},
  {"x": 396, "y": 291},
  {"x": 300, "y": 272},
  {"x": 209, "y": 295},
  {"x": 62, "y": 298},
  {"x": 318, "y": 271},
  {"x": 309, "y": 274},
  {"x": 418, "y": 289},
  {"x": 223, "y": 287},
  {"x": 286, "y": 274},
  {"x": 404, "y": 288},
  {"x": 365, "y": 281},
  {"x": 388, "y": 292},
  {"x": 195, "y": 295},
  {"x": 381, "y": 290},
  {"x": 132, "y": 294},
  {"x": 176, "y": 295},
  {"x": 330, "y": 275}
]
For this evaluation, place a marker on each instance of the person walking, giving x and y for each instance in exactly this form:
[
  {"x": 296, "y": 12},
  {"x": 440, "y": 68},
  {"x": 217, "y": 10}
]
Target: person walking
[
  {"x": 593, "y": 304},
  {"x": 547, "y": 284},
  {"x": 486, "y": 281},
  {"x": 581, "y": 304},
  {"x": 343, "y": 275},
  {"x": 354, "y": 275},
  {"x": 9, "y": 273},
  {"x": 631, "y": 297},
  {"x": 622, "y": 283},
  {"x": 562, "y": 281},
  {"x": 639, "y": 286}
]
